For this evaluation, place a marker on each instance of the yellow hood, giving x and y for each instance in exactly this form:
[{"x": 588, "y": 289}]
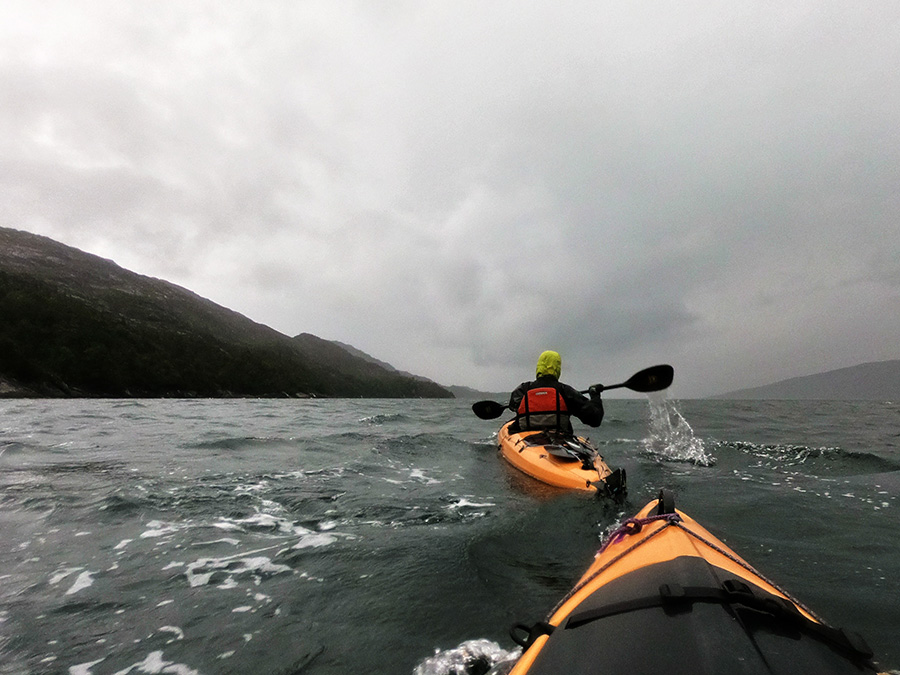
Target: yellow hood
[{"x": 549, "y": 363}]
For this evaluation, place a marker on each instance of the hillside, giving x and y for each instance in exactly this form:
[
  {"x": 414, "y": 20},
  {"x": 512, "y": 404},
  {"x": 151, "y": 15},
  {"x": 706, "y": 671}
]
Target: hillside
[
  {"x": 468, "y": 392},
  {"x": 75, "y": 324},
  {"x": 878, "y": 381}
]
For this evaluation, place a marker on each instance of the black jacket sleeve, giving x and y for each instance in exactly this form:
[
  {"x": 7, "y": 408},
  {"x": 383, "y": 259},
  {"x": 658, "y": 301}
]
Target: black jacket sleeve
[{"x": 588, "y": 410}]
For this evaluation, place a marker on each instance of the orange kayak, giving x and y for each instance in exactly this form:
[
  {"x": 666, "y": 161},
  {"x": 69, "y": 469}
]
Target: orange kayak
[
  {"x": 561, "y": 460},
  {"x": 664, "y": 595}
]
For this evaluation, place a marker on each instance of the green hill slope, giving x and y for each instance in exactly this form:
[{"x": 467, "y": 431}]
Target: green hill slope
[{"x": 74, "y": 324}]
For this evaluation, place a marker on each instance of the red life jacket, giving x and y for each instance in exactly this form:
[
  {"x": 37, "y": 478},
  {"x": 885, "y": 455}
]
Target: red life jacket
[{"x": 543, "y": 408}]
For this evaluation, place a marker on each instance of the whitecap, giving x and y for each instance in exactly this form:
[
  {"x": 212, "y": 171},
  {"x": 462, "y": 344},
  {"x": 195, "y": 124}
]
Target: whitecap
[
  {"x": 200, "y": 572},
  {"x": 463, "y": 502},
  {"x": 257, "y": 521},
  {"x": 62, "y": 574},
  {"x": 158, "y": 529},
  {"x": 223, "y": 540},
  {"x": 256, "y": 487},
  {"x": 314, "y": 540},
  {"x": 419, "y": 475},
  {"x": 83, "y": 581},
  {"x": 201, "y": 579},
  {"x": 154, "y": 663},
  {"x": 267, "y": 521},
  {"x": 83, "y": 668},
  {"x": 175, "y": 630}
]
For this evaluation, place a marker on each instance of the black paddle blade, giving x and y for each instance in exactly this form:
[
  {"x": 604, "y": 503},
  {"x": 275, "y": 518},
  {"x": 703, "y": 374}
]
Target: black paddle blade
[
  {"x": 654, "y": 378},
  {"x": 488, "y": 410}
]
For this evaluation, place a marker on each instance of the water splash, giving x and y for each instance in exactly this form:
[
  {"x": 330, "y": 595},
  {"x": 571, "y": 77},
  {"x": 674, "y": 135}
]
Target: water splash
[
  {"x": 671, "y": 437},
  {"x": 475, "y": 657}
]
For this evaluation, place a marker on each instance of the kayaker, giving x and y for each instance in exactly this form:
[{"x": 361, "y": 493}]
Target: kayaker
[{"x": 547, "y": 403}]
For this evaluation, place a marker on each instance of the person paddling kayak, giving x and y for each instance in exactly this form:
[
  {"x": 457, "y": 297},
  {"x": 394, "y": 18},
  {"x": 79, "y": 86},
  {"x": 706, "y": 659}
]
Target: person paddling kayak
[
  {"x": 544, "y": 405},
  {"x": 547, "y": 403}
]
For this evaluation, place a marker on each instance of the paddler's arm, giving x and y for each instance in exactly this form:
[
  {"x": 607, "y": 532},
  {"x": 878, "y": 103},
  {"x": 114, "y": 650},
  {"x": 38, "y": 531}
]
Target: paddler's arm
[{"x": 589, "y": 411}]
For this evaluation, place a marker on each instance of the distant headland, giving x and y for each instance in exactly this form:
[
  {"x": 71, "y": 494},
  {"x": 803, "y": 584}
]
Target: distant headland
[{"x": 876, "y": 381}]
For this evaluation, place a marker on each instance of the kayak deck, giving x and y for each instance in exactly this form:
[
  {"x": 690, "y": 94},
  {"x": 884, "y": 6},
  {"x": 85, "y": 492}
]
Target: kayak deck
[
  {"x": 559, "y": 459},
  {"x": 664, "y": 595}
]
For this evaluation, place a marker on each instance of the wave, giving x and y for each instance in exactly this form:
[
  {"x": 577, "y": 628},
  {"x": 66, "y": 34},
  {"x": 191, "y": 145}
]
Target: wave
[
  {"x": 829, "y": 460},
  {"x": 450, "y": 509},
  {"x": 402, "y": 443},
  {"x": 122, "y": 504},
  {"x": 10, "y": 448},
  {"x": 90, "y": 467},
  {"x": 119, "y": 404},
  {"x": 418, "y": 444},
  {"x": 154, "y": 662},
  {"x": 233, "y": 495},
  {"x": 383, "y": 418},
  {"x": 241, "y": 443}
]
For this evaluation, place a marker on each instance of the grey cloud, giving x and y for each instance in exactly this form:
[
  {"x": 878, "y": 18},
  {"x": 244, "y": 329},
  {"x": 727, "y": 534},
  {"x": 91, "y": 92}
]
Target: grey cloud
[{"x": 452, "y": 186}]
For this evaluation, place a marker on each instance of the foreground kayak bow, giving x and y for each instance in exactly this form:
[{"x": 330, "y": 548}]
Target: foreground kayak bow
[{"x": 665, "y": 596}]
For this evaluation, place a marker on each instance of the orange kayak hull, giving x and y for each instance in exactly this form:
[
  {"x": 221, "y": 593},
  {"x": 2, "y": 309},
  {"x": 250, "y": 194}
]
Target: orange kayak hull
[{"x": 559, "y": 460}]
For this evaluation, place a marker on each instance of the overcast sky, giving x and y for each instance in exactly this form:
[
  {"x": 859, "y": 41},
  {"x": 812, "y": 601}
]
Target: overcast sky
[{"x": 453, "y": 186}]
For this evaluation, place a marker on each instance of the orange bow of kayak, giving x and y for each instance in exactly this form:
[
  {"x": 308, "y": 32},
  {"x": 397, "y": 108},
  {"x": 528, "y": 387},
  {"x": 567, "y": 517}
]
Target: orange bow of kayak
[{"x": 665, "y": 595}]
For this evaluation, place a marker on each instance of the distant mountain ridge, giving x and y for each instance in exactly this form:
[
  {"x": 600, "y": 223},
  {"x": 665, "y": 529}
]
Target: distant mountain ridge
[
  {"x": 75, "y": 324},
  {"x": 468, "y": 392},
  {"x": 874, "y": 381}
]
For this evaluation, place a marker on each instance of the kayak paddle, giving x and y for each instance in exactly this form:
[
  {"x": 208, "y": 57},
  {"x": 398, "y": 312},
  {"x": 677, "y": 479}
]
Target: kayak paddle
[
  {"x": 488, "y": 410},
  {"x": 654, "y": 378}
]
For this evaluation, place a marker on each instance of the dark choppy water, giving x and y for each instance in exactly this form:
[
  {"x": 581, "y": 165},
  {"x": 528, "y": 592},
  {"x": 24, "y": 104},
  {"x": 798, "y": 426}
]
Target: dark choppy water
[{"x": 345, "y": 536}]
